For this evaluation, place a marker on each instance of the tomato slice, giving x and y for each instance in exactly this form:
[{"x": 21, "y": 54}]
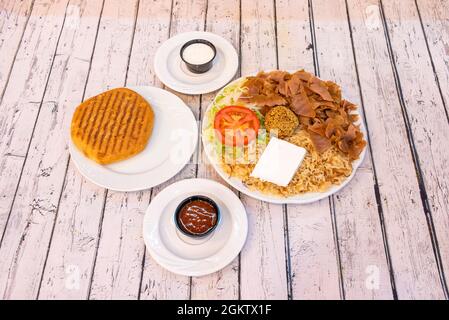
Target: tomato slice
[{"x": 236, "y": 125}]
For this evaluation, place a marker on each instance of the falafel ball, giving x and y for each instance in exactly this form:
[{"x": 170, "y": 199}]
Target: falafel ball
[{"x": 283, "y": 120}]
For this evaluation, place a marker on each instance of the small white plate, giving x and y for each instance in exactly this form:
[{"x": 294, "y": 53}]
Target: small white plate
[
  {"x": 172, "y": 143},
  {"x": 194, "y": 257},
  {"x": 298, "y": 199},
  {"x": 172, "y": 71}
]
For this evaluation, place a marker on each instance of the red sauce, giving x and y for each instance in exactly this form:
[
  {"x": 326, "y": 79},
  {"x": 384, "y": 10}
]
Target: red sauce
[{"x": 197, "y": 217}]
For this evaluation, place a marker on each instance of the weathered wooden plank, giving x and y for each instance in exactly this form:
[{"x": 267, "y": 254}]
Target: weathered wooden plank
[
  {"x": 68, "y": 270},
  {"x": 23, "y": 95},
  {"x": 33, "y": 62},
  {"x": 71, "y": 258},
  {"x": 223, "y": 284},
  {"x": 263, "y": 260},
  {"x": 118, "y": 267},
  {"x": 426, "y": 112},
  {"x": 13, "y": 20},
  {"x": 314, "y": 267},
  {"x": 413, "y": 261},
  {"x": 365, "y": 271},
  {"x": 26, "y": 231},
  {"x": 435, "y": 20},
  {"x": 158, "y": 283},
  {"x": 359, "y": 231},
  {"x": 223, "y": 18},
  {"x": 310, "y": 233},
  {"x": 65, "y": 91},
  {"x": 413, "y": 264}
]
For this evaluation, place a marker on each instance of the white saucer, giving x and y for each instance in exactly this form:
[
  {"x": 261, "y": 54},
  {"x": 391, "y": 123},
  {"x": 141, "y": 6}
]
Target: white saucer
[
  {"x": 192, "y": 257},
  {"x": 172, "y": 143},
  {"x": 172, "y": 71}
]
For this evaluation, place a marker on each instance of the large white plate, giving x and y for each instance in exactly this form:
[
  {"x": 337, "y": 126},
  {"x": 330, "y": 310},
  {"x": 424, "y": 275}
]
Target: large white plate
[
  {"x": 172, "y": 71},
  {"x": 299, "y": 199},
  {"x": 172, "y": 143},
  {"x": 182, "y": 255}
]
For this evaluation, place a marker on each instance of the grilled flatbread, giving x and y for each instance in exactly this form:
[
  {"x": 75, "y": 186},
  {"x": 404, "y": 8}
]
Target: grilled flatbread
[{"x": 112, "y": 126}]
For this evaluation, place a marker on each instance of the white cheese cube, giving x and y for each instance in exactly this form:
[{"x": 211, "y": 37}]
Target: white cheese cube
[{"x": 279, "y": 162}]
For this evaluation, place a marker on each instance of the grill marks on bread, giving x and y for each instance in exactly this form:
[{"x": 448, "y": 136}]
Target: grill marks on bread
[{"x": 112, "y": 126}]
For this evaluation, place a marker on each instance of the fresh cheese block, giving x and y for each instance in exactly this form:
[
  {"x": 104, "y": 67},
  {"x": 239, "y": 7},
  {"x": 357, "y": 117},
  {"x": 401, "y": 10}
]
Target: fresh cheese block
[{"x": 279, "y": 162}]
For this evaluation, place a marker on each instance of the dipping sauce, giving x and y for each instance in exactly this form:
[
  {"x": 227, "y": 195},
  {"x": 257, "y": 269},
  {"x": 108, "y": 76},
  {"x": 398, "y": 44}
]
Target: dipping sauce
[
  {"x": 198, "y": 53},
  {"x": 197, "y": 216}
]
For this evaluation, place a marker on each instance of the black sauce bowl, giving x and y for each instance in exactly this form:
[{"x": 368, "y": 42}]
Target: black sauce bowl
[
  {"x": 190, "y": 199},
  {"x": 198, "y": 68}
]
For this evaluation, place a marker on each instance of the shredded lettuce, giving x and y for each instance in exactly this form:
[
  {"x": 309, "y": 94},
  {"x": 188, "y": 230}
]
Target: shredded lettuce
[{"x": 228, "y": 96}]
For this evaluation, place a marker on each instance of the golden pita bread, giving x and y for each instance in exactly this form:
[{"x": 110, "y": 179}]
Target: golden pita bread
[{"x": 112, "y": 126}]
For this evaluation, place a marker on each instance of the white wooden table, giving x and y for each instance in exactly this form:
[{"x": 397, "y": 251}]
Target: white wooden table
[{"x": 384, "y": 236}]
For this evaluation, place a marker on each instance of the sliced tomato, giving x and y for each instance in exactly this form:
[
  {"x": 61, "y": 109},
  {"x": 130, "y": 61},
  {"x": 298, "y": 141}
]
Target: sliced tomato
[{"x": 236, "y": 125}]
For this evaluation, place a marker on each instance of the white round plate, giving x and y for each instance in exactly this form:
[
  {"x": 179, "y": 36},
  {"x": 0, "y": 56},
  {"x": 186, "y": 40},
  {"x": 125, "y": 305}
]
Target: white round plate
[
  {"x": 172, "y": 143},
  {"x": 171, "y": 70},
  {"x": 192, "y": 257},
  {"x": 299, "y": 199}
]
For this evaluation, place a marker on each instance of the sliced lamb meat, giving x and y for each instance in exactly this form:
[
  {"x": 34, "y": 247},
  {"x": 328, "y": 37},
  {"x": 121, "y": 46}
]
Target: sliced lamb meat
[
  {"x": 318, "y": 104},
  {"x": 301, "y": 105},
  {"x": 321, "y": 144},
  {"x": 319, "y": 87}
]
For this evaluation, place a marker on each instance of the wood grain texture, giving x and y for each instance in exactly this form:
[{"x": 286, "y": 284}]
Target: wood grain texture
[
  {"x": 158, "y": 283},
  {"x": 310, "y": 233},
  {"x": 435, "y": 21},
  {"x": 312, "y": 252},
  {"x": 263, "y": 261},
  {"x": 361, "y": 247},
  {"x": 13, "y": 20},
  {"x": 222, "y": 19},
  {"x": 82, "y": 204},
  {"x": 413, "y": 262},
  {"x": 384, "y": 236},
  {"x": 118, "y": 268},
  {"x": 27, "y": 232},
  {"x": 425, "y": 111},
  {"x": 65, "y": 90},
  {"x": 23, "y": 93}
]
